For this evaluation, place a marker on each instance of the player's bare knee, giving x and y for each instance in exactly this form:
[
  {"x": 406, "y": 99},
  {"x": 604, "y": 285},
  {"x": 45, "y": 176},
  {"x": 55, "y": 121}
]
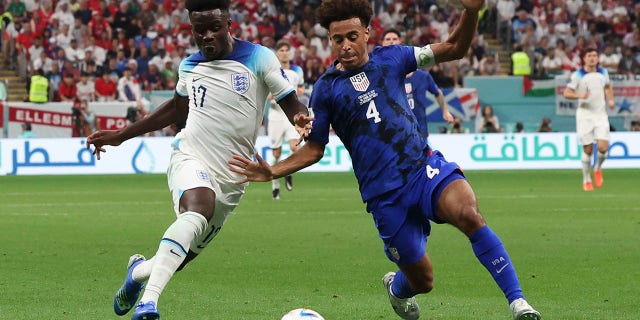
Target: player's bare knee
[{"x": 470, "y": 219}]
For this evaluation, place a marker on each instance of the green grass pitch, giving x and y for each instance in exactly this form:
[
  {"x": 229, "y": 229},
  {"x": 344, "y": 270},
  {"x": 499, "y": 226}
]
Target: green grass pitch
[{"x": 66, "y": 240}]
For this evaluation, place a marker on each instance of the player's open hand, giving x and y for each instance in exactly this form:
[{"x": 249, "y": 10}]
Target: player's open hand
[
  {"x": 102, "y": 138},
  {"x": 254, "y": 171},
  {"x": 473, "y": 5},
  {"x": 303, "y": 126}
]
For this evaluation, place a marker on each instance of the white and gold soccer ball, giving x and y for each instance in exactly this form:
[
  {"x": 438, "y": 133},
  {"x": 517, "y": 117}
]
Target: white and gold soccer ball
[{"x": 302, "y": 314}]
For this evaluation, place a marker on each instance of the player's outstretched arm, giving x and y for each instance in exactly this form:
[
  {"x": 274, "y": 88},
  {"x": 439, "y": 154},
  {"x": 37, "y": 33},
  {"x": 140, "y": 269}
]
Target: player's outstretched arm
[
  {"x": 459, "y": 40},
  {"x": 167, "y": 113},
  {"x": 310, "y": 153}
]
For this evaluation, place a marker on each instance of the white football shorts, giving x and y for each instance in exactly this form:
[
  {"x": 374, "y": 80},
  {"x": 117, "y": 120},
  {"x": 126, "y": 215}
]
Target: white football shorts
[
  {"x": 280, "y": 131},
  {"x": 187, "y": 172},
  {"x": 588, "y": 130}
]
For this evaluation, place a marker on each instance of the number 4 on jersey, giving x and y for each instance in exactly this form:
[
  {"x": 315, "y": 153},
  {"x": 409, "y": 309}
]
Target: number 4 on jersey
[
  {"x": 372, "y": 112},
  {"x": 431, "y": 172}
]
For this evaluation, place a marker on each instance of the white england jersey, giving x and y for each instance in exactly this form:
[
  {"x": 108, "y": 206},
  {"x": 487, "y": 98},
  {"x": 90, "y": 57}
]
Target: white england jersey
[
  {"x": 296, "y": 78},
  {"x": 593, "y": 82},
  {"x": 226, "y": 104}
]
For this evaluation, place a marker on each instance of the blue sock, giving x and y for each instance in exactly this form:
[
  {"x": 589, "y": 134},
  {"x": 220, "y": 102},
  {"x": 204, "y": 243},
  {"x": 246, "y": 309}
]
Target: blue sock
[
  {"x": 400, "y": 286},
  {"x": 493, "y": 256}
]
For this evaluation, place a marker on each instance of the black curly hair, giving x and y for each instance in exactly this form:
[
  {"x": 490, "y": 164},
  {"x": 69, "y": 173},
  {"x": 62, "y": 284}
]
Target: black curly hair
[{"x": 337, "y": 10}]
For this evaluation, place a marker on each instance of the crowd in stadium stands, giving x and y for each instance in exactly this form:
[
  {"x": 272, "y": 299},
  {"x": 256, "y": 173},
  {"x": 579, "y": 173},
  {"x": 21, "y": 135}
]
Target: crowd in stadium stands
[{"x": 106, "y": 50}]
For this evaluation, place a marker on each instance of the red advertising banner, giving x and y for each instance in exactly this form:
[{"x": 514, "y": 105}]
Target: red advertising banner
[{"x": 55, "y": 120}]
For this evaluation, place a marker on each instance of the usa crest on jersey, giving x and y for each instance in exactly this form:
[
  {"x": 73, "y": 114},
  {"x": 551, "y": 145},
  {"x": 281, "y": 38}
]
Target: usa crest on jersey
[
  {"x": 408, "y": 87},
  {"x": 360, "y": 82},
  {"x": 240, "y": 82}
]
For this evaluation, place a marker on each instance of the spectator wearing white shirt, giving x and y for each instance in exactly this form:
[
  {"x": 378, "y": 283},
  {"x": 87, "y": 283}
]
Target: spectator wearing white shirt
[
  {"x": 609, "y": 59},
  {"x": 440, "y": 26},
  {"x": 63, "y": 13},
  {"x": 35, "y": 49},
  {"x": 99, "y": 53},
  {"x": 181, "y": 12},
  {"x": 63, "y": 36},
  {"x": 73, "y": 52},
  {"x": 390, "y": 17},
  {"x": 129, "y": 87},
  {"x": 42, "y": 62},
  {"x": 249, "y": 29},
  {"x": 551, "y": 64},
  {"x": 86, "y": 88}
]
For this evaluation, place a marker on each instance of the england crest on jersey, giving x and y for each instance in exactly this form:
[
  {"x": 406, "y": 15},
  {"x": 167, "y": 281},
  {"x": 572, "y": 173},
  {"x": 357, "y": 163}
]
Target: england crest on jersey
[
  {"x": 240, "y": 82},
  {"x": 360, "y": 82}
]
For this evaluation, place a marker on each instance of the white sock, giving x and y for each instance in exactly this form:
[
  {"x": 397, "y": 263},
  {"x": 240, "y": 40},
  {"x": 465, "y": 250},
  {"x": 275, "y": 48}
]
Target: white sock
[
  {"x": 172, "y": 251},
  {"x": 586, "y": 167},
  {"x": 142, "y": 271},
  {"x": 601, "y": 158},
  {"x": 275, "y": 183}
]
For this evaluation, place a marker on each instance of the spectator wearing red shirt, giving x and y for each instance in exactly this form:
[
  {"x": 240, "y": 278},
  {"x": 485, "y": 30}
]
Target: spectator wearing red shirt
[
  {"x": 45, "y": 11},
  {"x": 98, "y": 24},
  {"x": 251, "y": 6},
  {"x": 266, "y": 27},
  {"x": 38, "y": 25},
  {"x": 67, "y": 90},
  {"x": 113, "y": 7},
  {"x": 25, "y": 37},
  {"x": 105, "y": 88},
  {"x": 93, "y": 4}
]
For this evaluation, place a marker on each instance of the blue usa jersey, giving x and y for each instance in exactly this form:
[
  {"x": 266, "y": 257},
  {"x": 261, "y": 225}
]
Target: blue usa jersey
[
  {"x": 416, "y": 87},
  {"x": 369, "y": 111}
]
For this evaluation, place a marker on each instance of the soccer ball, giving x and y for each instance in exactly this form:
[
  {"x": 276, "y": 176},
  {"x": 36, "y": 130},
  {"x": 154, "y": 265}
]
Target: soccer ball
[{"x": 302, "y": 314}]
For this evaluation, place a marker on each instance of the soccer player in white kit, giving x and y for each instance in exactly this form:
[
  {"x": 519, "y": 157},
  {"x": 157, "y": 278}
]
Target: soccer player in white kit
[
  {"x": 221, "y": 91},
  {"x": 279, "y": 128},
  {"x": 592, "y": 87}
]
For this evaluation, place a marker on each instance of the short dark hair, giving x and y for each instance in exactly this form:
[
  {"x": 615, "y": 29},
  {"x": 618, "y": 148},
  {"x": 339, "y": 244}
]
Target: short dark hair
[
  {"x": 283, "y": 43},
  {"x": 338, "y": 10},
  {"x": 395, "y": 31},
  {"x": 205, "y": 5},
  {"x": 587, "y": 50}
]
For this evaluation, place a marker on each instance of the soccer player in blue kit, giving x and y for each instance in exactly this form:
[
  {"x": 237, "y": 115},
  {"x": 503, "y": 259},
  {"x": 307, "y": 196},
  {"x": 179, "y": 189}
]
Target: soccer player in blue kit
[
  {"x": 404, "y": 183},
  {"x": 416, "y": 85}
]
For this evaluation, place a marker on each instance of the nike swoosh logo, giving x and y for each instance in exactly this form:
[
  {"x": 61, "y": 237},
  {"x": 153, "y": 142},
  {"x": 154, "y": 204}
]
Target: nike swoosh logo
[
  {"x": 177, "y": 254},
  {"x": 502, "y": 268},
  {"x": 196, "y": 79}
]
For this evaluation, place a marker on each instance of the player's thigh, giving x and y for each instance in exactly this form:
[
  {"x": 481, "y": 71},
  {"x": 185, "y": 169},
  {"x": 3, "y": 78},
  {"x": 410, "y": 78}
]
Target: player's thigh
[
  {"x": 601, "y": 129},
  {"x": 408, "y": 245},
  {"x": 447, "y": 196},
  {"x": 400, "y": 226},
  {"x": 188, "y": 173},
  {"x": 585, "y": 131},
  {"x": 457, "y": 205}
]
